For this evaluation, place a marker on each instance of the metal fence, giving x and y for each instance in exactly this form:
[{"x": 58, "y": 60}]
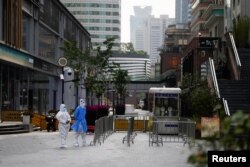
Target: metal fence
[
  {"x": 103, "y": 128},
  {"x": 169, "y": 130},
  {"x": 130, "y": 133}
]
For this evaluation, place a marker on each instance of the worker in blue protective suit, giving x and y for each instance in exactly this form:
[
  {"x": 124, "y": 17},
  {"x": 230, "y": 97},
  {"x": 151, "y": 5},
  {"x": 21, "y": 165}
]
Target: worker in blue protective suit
[
  {"x": 64, "y": 119},
  {"x": 80, "y": 125}
]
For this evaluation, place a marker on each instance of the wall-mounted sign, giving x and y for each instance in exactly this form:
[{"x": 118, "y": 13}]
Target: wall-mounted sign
[
  {"x": 209, "y": 42},
  {"x": 15, "y": 56}
]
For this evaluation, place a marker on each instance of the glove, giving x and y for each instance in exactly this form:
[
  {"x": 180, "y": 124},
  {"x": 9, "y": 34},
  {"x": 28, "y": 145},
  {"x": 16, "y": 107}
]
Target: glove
[{"x": 67, "y": 122}]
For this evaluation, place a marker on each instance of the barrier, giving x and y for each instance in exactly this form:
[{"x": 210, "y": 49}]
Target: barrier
[
  {"x": 12, "y": 115},
  {"x": 130, "y": 133},
  {"x": 140, "y": 122},
  {"x": 182, "y": 130},
  {"x": 103, "y": 128}
]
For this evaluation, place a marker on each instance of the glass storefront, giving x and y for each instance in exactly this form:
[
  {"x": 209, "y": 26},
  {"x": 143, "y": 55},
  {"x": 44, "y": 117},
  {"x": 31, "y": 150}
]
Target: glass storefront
[{"x": 25, "y": 89}]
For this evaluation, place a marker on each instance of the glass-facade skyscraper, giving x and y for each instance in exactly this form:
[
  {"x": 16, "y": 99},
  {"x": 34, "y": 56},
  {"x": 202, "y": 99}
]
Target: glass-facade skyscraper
[{"x": 102, "y": 18}]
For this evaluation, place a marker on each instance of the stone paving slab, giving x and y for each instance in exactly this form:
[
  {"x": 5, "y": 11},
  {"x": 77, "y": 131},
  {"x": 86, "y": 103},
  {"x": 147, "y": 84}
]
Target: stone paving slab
[{"x": 41, "y": 149}]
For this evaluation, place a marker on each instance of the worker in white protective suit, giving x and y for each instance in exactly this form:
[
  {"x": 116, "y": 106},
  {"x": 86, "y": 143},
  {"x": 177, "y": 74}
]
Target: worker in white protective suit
[
  {"x": 80, "y": 125},
  {"x": 64, "y": 120}
]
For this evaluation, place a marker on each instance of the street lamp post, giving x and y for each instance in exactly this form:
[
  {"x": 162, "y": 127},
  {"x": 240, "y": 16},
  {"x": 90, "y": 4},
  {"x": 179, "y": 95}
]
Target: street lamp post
[
  {"x": 62, "y": 61},
  {"x": 62, "y": 78},
  {"x": 113, "y": 100}
]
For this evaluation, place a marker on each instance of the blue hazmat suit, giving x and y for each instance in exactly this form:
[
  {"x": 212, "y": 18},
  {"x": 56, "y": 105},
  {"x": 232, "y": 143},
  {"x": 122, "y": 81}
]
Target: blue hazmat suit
[{"x": 80, "y": 125}]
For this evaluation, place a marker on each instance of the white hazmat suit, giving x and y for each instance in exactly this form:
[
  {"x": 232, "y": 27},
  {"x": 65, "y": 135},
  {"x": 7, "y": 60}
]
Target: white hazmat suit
[{"x": 64, "y": 119}]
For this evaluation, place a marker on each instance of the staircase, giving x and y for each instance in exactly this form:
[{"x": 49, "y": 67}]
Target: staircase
[
  {"x": 237, "y": 92},
  {"x": 13, "y": 129},
  {"x": 244, "y": 55}
]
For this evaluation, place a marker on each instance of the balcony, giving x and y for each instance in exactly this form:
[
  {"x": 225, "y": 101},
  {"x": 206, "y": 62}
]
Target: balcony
[{"x": 212, "y": 13}]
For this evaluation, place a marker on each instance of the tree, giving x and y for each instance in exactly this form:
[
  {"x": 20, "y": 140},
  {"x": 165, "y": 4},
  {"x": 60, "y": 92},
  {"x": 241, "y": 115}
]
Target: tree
[
  {"x": 89, "y": 65},
  {"x": 241, "y": 31},
  {"x": 101, "y": 66},
  {"x": 120, "y": 80},
  {"x": 77, "y": 59},
  {"x": 129, "y": 48}
]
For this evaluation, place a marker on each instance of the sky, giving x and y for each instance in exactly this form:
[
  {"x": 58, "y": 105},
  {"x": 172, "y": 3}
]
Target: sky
[{"x": 159, "y": 7}]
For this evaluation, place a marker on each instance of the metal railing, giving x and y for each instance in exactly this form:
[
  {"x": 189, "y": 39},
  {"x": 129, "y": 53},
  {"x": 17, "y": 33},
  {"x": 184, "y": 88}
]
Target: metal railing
[
  {"x": 235, "y": 49},
  {"x": 226, "y": 107},
  {"x": 103, "y": 128},
  {"x": 130, "y": 133},
  {"x": 182, "y": 130},
  {"x": 233, "y": 55},
  {"x": 213, "y": 73}
]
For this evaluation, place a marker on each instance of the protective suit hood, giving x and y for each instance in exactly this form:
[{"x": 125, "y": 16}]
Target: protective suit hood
[
  {"x": 63, "y": 108},
  {"x": 82, "y": 103}
]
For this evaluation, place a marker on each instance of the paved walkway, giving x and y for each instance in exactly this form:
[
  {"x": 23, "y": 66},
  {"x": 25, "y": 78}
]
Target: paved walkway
[{"x": 41, "y": 149}]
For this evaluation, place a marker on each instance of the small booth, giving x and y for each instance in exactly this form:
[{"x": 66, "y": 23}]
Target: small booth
[{"x": 164, "y": 103}]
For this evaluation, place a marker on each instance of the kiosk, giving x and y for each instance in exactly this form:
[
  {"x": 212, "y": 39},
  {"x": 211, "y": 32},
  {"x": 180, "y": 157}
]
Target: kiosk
[{"x": 164, "y": 103}]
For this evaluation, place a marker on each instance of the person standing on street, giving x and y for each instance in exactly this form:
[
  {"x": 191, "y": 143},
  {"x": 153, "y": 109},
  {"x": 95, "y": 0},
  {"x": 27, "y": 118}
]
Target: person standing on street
[
  {"x": 64, "y": 119},
  {"x": 80, "y": 125}
]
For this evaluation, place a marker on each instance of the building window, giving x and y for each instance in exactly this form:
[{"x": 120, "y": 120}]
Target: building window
[
  {"x": 26, "y": 32},
  {"x": 215, "y": 31},
  {"x": 47, "y": 44}
]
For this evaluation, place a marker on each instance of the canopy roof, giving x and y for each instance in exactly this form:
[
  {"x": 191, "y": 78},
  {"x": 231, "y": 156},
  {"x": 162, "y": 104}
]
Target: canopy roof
[{"x": 165, "y": 90}]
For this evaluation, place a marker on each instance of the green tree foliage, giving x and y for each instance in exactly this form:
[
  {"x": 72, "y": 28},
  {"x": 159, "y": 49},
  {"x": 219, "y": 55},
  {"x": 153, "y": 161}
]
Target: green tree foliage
[
  {"x": 120, "y": 80},
  {"x": 90, "y": 65},
  {"x": 202, "y": 102},
  {"x": 77, "y": 59},
  {"x": 101, "y": 66},
  {"x": 241, "y": 31},
  {"x": 234, "y": 136},
  {"x": 129, "y": 48},
  {"x": 197, "y": 97}
]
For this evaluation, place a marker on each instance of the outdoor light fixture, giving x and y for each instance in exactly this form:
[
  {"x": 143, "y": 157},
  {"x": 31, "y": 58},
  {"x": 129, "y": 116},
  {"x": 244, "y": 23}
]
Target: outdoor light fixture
[{"x": 61, "y": 76}]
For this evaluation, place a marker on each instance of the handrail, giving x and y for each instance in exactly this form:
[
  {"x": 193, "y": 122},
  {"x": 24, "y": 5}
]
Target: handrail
[
  {"x": 226, "y": 107},
  {"x": 235, "y": 49},
  {"x": 216, "y": 87}
]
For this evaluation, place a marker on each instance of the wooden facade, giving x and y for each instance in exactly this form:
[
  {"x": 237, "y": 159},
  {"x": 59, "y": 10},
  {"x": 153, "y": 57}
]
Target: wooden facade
[{"x": 12, "y": 22}]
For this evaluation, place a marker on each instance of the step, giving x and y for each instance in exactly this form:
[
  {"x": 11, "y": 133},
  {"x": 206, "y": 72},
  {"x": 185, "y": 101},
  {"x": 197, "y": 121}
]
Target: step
[
  {"x": 13, "y": 131},
  {"x": 9, "y": 128}
]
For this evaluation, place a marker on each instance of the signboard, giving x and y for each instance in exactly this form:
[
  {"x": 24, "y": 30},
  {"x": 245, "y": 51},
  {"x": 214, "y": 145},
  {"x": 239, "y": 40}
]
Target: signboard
[
  {"x": 209, "y": 42},
  {"x": 15, "y": 56},
  {"x": 210, "y": 126}
]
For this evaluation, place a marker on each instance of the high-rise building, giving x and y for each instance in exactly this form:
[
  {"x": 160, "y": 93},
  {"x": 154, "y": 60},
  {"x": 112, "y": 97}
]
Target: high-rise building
[
  {"x": 139, "y": 26},
  {"x": 102, "y": 18},
  {"x": 182, "y": 11},
  {"x": 156, "y": 31},
  {"x": 147, "y": 32}
]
